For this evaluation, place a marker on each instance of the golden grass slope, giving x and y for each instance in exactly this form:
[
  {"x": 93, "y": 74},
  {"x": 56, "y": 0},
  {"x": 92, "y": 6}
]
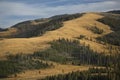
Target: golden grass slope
[
  {"x": 59, "y": 69},
  {"x": 71, "y": 30},
  {"x": 42, "y": 73},
  {"x": 8, "y": 33}
]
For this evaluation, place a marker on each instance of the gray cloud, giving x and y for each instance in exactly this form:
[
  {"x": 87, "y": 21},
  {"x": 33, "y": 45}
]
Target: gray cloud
[{"x": 8, "y": 9}]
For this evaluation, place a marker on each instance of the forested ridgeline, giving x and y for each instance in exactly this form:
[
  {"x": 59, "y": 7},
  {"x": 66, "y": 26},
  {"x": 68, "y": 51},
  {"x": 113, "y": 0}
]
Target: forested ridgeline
[
  {"x": 114, "y": 22},
  {"x": 1, "y": 29},
  {"x": 28, "y": 29},
  {"x": 114, "y": 11}
]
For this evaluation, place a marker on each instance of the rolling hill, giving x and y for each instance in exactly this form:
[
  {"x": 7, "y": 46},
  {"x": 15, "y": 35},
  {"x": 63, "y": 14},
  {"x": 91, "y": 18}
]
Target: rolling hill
[
  {"x": 59, "y": 45},
  {"x": 71, "y": 29},
  {"x": 37, "y": 27}
]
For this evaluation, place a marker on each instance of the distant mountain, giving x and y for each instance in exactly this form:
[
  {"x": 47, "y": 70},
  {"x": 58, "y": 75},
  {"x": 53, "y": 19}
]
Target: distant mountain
[
  {"x": 114, "y": 11},
  {"x": 1, "y": 29}
]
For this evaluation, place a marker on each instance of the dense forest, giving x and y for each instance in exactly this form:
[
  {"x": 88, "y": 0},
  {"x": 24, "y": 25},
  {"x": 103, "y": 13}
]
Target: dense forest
[
  {"x": 95, "y": 74},
  {"x": 86, "y": 75},
  {"x": 106, "y": 73},
  {"x": 111, "y": 72}
]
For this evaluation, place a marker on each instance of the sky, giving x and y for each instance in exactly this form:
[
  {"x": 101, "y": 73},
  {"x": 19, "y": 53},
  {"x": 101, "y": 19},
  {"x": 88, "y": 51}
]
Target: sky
[{"x": 14, "y": 11}]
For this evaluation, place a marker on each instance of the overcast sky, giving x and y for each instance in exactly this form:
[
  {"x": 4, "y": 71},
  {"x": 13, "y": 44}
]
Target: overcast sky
[{"x": 14, "y": 11}]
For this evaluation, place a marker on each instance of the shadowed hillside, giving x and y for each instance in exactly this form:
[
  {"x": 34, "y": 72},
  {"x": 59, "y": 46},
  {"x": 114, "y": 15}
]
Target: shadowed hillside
[
  {"x": 114, "y": 11},
  {"x": 37, "y": 27},
  {"x": 114, "y": 22}
]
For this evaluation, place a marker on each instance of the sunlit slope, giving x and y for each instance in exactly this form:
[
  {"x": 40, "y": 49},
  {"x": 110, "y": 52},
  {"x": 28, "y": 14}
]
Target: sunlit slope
[
  {"x": 58, "y": 69},
  {"x": 71, "y": 29},
  {"x": 8, "y": 32}
]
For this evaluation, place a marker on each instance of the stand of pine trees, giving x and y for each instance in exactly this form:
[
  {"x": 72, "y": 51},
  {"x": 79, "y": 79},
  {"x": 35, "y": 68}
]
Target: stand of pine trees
[
  {"x": 106, "y": 73},
  {"x": 82, "y": 54},
  {"x": 72, "y": 52},
  {"x": 86, "y": 75}
]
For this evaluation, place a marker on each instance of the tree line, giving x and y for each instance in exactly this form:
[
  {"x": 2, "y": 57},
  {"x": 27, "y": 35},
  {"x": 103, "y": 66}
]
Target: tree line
[
  {"x": 19, "y": 63},
  {"x": 112, "y": 72},
  {"x": 71, "y": 51},
  {"x": 27, "y": 29}
]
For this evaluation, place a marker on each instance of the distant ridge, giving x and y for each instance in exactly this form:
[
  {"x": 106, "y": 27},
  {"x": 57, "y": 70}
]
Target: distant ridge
[
  {"x": 1, "y": 29},
  {"x": 37, "y": 27},
  {"x": 114, "y": 11}
]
